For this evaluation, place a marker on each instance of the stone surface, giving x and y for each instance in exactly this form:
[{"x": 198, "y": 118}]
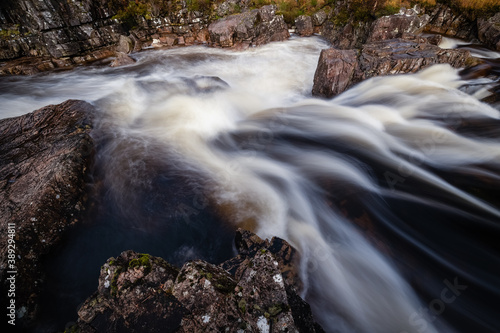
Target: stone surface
[
  {"x": 335, "y": 72},
  {"x": 304, "y": 25},
  {"x": 125, "y": 45},
  {"x": 489, "y": 31},
  {"x": 253, "y": 292},
  {"x": 396, "y": 56},
  {"x": 443, "y": 20},
  {"x": 122, "y": 59},
  {"x": 256, "y": 27},
  {"x": 44, "y": 159},
  {"x": 394, "y": 26}
]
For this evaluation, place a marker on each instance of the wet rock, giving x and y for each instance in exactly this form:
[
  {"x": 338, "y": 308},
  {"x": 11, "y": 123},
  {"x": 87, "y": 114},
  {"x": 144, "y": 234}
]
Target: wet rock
[
  {"x": 44, "y": 159},
  {"x": 122, "y": 59},
  {"x": 489, "y": 31},
  {"x": 252, "y": 292},
  {"x": 395, "y": 56},
  {"x": 256, "y": 27},
  {"x": 335, "y": 72},
  {"x": 304, "y": 25}
]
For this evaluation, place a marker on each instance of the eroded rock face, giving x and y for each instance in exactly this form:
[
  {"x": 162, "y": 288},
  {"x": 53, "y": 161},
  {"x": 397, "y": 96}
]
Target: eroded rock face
[
  {"x": 489, "y": 31},
  {"x": 253, "y": 292},
  {"x": 252, "y": 28},
  {"x": 335, "y": 73},
  {"x": 44, "y": 159},
  {"x": 443, "y": 20}
]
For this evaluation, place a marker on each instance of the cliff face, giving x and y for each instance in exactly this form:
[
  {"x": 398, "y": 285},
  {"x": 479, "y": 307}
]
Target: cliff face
[{"x": 55, "y": 28}]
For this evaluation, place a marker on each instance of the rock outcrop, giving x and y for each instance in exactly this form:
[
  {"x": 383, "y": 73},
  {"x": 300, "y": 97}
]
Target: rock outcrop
[
  {"x": 340, "y": 69},
  {"x": 253, "y": 28},
  {"x": 253, "y": 292},
  {"x": 489, "y": 31},
  {"x": 44, "y": 159},
  {"x": 304, "y": 25},
  {"x": 395, "y": 26}
]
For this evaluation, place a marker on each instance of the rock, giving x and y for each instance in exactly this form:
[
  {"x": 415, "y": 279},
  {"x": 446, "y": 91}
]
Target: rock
[
  {"x": 256, "y": 27},
  {"x": 304, "y": 25},
  {"x": 138, "y": 292},
  {"x": 394, "y": 26},
  {"x": 443, "y": 20},
  {"x": 395, "y": 56},
  {"x": 334, "y": 72},
  {"x": 319, "y": 18},
  {"x": 44, "y": 159},
  {"x": 122, "y": 59},
  {"x": 346, "y": 36},
  {"x": 125, "y": 45},
  {"x": 489, "y": 31}
]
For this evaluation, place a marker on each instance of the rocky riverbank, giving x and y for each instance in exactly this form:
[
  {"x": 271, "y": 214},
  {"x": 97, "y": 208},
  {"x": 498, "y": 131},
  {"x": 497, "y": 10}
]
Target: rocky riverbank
[{"x": 38, "y": 36}]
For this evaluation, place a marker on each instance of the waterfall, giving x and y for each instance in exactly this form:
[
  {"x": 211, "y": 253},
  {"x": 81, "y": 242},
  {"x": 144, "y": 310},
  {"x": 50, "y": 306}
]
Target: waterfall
[{"x": 387, "y": 190}]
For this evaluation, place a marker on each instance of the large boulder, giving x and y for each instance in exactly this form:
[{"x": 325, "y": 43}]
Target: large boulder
[
  {"x": 395, "y": 26},
  {"x": 304, "y": 25},
  {"x": 443, "y": 20},
  {"x": 256, "y": 27},
  {"x": 489, "y": 31},
  {"x": 340, "y": 69},
  {"x": 255, "y": 291},
  {"x": 334, "y": 72},
  {"x": 44, "y": 159}
]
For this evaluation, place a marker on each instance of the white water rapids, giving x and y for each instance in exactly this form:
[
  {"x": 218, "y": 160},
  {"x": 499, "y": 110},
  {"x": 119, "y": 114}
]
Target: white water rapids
[{"x": 271, "y": 158}]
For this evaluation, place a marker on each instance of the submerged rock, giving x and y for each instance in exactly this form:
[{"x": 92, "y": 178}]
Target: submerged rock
[
  {"x": 44, "y": 159},
  {"x": 122, "y": 59},
  {"x": 253, "y": 292},
  {"x": 340, "y": 69}
]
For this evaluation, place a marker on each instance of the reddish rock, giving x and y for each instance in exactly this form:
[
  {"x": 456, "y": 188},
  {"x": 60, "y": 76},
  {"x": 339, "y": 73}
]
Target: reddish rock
[
  {"x": 489, "y": 31},
  {"x": 338, "y": 70},
  {"x": 334, "y": 72},
  {"x": 44, "y": 159}
]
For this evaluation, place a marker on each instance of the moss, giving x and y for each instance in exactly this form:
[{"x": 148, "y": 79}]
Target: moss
[
  {"x": 72, "y": 329},
  {"x": 129, "y": 15},
  {"x": 9, "y": 33},
  {"x": 242, "y": 306},
  {"x": 277, "y": 308},
  {"x": 144, "y": 260}
]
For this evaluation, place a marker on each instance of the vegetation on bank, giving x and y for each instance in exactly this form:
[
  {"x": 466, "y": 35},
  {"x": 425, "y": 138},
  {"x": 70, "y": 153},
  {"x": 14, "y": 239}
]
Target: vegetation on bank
[{"x": 130, "y": 11}]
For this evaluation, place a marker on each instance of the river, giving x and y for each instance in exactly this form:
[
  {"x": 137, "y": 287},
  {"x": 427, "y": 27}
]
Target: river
[{"x": 389, "y": 191}]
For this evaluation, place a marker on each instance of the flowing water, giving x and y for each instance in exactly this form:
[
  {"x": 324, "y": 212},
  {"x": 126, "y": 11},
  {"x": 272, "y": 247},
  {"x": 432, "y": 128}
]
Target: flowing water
[{"x": 389, "y": 191}]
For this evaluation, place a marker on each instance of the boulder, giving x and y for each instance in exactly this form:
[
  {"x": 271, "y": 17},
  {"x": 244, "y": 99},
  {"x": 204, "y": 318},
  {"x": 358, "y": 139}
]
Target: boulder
[
  {"x": 442, "y": 20},
  {"x": 122, "y": 59},
  {"x": 44, "y": 159},
  {"x": 489, "y": 31},
  {"x": 256, "y": 27},
  {"x": 394, "y": 26},
  {"x": 335, "y": 73},
  {"x": 255, "y": 291},
  {"x": 125, "y": 45},
  {"x": 304, "y": 25}
]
